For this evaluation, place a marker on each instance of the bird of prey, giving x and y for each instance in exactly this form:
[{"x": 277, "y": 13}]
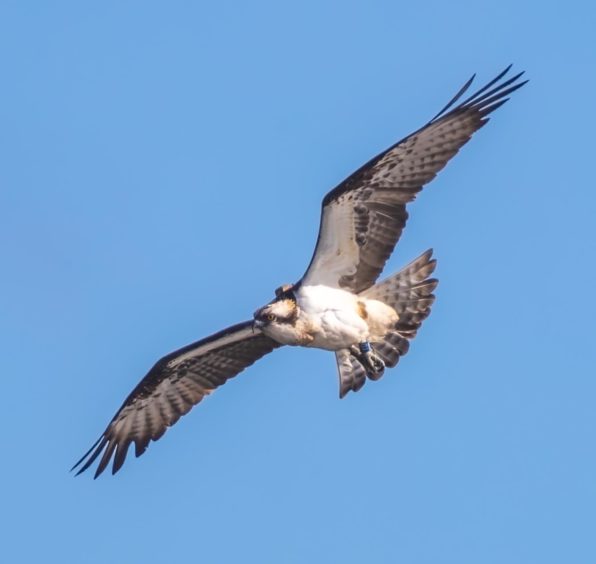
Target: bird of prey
[{"x": 337, "y": 305}]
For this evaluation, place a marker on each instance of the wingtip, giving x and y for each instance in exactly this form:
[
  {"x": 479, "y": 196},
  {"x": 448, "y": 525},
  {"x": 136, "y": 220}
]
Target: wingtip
[
  {"x": 82, "y": 459},
  {"x": 455, "y": 98},
  {"x": 492, "y": 91}
]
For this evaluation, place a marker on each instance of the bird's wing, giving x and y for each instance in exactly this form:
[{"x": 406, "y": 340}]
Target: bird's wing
[
  {"x": 172, "y": 387},
  {"x": 363, "y": 217}
]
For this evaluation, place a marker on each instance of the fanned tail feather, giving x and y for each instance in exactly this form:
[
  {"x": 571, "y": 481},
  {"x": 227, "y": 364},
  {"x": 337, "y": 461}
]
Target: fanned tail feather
[{"x": 410, "y": 293}]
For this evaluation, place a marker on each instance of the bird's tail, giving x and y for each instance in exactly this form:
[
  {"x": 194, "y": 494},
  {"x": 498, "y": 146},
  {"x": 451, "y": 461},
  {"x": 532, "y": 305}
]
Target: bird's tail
[{"x": 410, "y": 294}]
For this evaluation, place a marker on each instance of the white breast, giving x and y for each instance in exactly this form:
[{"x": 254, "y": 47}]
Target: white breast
[{"x": 332, "y": 317}]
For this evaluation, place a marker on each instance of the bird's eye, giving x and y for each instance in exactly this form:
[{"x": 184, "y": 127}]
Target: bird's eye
[{"x": 270, "y": 317}]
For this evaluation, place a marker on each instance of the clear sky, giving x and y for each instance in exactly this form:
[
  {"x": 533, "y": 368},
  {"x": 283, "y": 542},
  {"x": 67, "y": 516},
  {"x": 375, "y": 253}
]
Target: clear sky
[{"x": 162, "y": 169}]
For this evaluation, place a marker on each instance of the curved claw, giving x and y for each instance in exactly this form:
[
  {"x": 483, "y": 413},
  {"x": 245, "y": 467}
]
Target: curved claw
[
  {"x": 377, "y": 366},
  {"x": 373, "y": 364}
]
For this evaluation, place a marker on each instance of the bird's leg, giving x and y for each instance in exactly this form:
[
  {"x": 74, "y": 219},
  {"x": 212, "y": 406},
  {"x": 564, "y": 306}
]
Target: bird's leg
[{"x": 373, "y": 364}]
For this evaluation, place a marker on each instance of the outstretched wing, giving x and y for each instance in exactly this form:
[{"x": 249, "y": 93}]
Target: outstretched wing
[
  {"x": 172, "y": 387},
  {"x": 362, "y": 218}
]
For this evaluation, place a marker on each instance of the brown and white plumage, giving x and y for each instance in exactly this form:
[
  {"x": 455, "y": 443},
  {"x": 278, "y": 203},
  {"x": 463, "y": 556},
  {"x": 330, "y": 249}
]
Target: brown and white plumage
[
  {"x": 363, "y": 217},
  {"x": 410, "y": 294},
  {"x": 336, "y": 305}
]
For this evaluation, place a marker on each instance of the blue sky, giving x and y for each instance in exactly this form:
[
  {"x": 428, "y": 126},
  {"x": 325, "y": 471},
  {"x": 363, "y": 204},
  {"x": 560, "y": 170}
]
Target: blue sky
[{"x": 163, "y": 167}]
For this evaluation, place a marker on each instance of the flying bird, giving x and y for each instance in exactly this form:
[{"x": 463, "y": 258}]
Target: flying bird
[{"x": 337, "y": 305}]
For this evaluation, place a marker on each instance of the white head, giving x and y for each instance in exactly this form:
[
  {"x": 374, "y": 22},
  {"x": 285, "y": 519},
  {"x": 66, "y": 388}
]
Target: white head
[
  {"x": 278, "y": 318},
  {"x": 278, "y": 311}
]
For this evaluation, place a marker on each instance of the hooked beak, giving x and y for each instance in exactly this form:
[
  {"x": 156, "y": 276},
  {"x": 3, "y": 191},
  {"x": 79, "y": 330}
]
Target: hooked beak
[{"x": 256, "y": 315}]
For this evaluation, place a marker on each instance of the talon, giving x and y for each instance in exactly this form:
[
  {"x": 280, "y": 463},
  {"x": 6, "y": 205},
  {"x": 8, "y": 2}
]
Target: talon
[
  {"x": 378, "y": 366},
  {"x": 373, "y": 364}
]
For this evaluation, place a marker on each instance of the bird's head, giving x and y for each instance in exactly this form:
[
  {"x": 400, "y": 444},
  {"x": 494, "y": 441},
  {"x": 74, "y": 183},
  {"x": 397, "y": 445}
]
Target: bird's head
[{"x": 283, "y": 310}]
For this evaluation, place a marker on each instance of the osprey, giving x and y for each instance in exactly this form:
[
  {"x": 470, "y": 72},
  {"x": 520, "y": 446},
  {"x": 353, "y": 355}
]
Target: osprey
[{"x": 337, "y": 305}]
